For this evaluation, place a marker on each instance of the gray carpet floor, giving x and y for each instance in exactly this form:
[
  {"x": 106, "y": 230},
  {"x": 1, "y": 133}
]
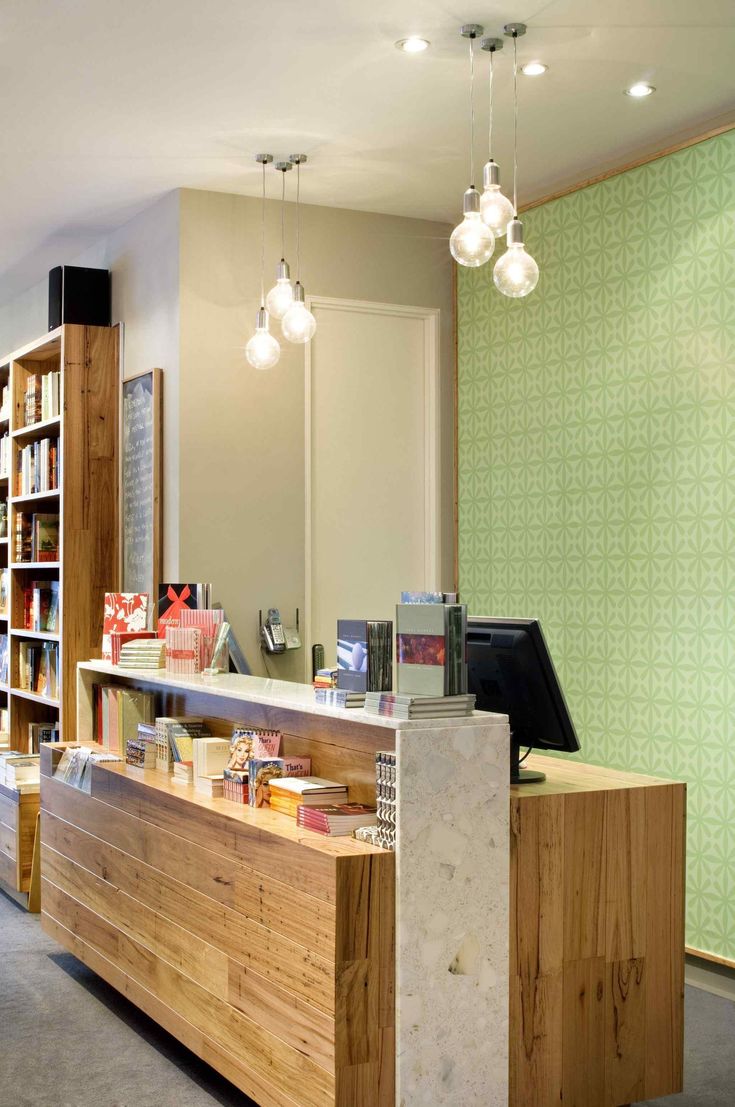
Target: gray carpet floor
[{"x": 69, "y": 1040}]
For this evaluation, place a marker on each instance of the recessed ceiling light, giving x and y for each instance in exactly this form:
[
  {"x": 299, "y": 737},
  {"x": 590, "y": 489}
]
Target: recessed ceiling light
[
  {"x": 413, "y": 44},
  {"x": 639, "y": 90},
  {"x": 533, "y": 69}
]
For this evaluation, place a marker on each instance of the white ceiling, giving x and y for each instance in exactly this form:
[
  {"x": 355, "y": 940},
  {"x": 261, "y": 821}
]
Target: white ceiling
[{"x": 107, "y": 104}]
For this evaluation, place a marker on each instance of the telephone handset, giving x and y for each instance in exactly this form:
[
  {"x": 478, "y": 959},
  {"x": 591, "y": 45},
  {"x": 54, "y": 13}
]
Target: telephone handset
[{"x": 274, "y": 638}]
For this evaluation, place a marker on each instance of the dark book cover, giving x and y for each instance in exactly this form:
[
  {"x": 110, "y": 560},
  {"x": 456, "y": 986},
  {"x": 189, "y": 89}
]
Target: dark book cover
[{"x": 172, "y": 599}]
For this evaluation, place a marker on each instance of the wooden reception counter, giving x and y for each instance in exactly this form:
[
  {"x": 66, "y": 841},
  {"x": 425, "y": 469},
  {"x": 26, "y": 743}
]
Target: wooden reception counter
[{"x": 293, "y": 964}]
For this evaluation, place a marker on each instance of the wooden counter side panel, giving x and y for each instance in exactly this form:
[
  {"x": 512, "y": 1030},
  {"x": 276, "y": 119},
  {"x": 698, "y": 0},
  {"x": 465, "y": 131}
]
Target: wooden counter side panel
[{"x": 597, "y": 942}]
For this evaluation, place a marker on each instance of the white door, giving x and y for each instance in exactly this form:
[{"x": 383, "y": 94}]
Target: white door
[{"x": 371, "y": 462}]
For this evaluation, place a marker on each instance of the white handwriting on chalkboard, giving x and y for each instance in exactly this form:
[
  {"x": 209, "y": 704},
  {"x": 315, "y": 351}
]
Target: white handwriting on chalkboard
[{"x": 138, "y": 484}]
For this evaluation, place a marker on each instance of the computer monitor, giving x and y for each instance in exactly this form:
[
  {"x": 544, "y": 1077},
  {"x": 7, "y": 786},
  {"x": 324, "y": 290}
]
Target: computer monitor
[{"x": 511, "y": 672}]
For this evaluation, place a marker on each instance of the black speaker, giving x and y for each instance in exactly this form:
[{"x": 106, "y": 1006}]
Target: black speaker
[{"x": 77, "y": 295}]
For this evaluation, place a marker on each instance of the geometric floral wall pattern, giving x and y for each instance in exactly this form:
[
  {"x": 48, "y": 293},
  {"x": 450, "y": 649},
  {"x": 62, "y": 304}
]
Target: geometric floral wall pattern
[{"x": 597, "y": 480}]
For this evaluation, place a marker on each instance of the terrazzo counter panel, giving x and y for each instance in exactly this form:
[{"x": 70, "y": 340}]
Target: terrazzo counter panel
[{"x": 309, "y": 971}]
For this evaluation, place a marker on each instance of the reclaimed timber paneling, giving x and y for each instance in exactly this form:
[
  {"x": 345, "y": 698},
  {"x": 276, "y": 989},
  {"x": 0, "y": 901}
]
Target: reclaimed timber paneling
[
  {"x": 266, "y": 949},
  {"x": 597, "y": 937}
]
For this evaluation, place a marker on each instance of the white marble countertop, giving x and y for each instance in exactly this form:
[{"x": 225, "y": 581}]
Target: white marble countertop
[{"x": 283, "y": 694}]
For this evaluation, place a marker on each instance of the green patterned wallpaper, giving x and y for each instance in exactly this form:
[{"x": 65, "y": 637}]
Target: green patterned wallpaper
[{"x": 597, "y": 480}]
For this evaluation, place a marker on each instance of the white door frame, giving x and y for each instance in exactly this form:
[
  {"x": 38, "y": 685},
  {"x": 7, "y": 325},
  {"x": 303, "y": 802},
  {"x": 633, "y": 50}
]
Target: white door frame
[{"x": 432, "y": 484}]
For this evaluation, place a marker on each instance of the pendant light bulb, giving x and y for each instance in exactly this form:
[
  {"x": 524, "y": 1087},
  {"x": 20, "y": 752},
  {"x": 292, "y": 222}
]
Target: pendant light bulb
[
  {"x": 263, "y": 349},
  {"x": 280, "y": 297},
  {"x": 516, "y": 273},
  {"x": 472, "y": 242},
  {"x": 298, "y": 324},
  {"x": 495, "y": 208}
]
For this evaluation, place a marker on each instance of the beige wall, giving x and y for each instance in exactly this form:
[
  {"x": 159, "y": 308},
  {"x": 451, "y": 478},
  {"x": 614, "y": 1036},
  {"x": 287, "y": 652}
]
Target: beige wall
[
  {"x": 186, "y": 284},
  {"x": 242, "y": 431},
  {"x": 144, "y": 258}
]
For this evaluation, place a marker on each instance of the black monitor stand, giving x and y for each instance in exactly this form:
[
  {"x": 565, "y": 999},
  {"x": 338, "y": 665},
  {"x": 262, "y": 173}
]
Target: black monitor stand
[{"x": 517, "y": 774}]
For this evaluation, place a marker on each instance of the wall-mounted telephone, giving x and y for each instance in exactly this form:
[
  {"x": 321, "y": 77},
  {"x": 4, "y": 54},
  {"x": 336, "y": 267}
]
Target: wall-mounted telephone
[{"x": 272, "y": 633}]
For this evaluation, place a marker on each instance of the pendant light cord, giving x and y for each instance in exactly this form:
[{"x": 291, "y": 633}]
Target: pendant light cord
[
  {"x": 472, "y": 111},
  {"x": 490, "y": 112},
  {"x": 283, "y": 213},
  {"x": 515, "y": 123},
  {"x": 298, "y": 221},
  {"x": 262, "y": 243}
]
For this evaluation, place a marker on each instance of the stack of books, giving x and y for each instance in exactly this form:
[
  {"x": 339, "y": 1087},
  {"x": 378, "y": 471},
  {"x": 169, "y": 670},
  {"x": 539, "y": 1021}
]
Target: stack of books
[
  {"x": 364, "y": 655},
  {"x": 235, "y": 786},
  {"x": 211, "y": 786},
  {"x": 210, "y": 754},
  {"x": 398, "y": 705},
  {"x": 431, "y": 649},
  {"x": 146, "y": 653},
  {"x": 339, "y": 697},
  {"x": 20, "y": 771},
  {"x": 288, "y": 794},
  {"x": 119, "y": 638},
  {"x": 333, "y": 819},
  {"x": 183, "y": 772},
  {"x": 385, "y": 790},
  {"x": 325, "y": 678}
]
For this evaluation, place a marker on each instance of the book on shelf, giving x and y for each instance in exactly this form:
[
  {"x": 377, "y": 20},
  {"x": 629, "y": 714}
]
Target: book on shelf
[
  {"x": 210, "y": 755},
  {"x": 430, "y": 649},
  {"x": 212, "y": 786},
  {"x": 76, "y": 763},
  {"x": 5, "y": 402},
  {"x": 37, "y": 467},
  {"x": 123, "y": 611},
  {"x": 261, "y": 771},
  {"x": 149, "y": 653},
  {"x": 339, "y": 697},
  {"x": 287, "y": 794},
  {"x": 4, "y": 656},
  {"x": 141, "y": 750},
  {"x": 36, "y": 536},
  {"x": 173, "y": 599},
  {"x": 386, "y": 786},
  {"x": 38, "y": 668},
  {"x": 337, "y": 818},
  {"x": 4, "y": 592},
  {"x": 41, "y": 605},
  {"x": 4, "y": 728},
  {"x": 42, "y": 732},
  {"x": 118, "y": 712},
  {"x": 207, "y": 621},
  {"x": 251, "y": 743},
  {"x": 397, "y": 705},
  {"x": 5, "y": 456},
  {"x": 364, "y": 654},
  {"x": 235, "y": 786},
  {"x": 168, "y": 727},
  {"x": 42, "y": 397},
  {"x": 183, "y": 650},
  {"x": 326, "y": 678}
]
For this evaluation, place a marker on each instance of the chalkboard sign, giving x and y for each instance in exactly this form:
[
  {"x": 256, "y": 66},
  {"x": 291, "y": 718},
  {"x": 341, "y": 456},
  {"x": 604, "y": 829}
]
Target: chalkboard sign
[{"x": 141, "y": 483}]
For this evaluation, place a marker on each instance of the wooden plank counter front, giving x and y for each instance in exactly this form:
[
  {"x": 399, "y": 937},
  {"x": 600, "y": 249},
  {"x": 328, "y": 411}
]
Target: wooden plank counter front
[
  {"x": 267, "y": 950},
  {"x": 597, "y": 937},
  {"x": 18, "y": 814}
]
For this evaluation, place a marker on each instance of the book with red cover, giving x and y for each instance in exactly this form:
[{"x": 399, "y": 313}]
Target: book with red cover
[
  {"x": 336, "y": 818},
  {"x": 127, "y": 611},
  {"x": 175, "y": 598}
]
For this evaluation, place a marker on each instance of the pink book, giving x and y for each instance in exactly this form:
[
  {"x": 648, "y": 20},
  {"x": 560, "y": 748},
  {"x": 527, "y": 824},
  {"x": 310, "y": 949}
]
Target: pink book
[
  {"x": 183, "y": 650},
  {"x": 297, "y": 766},
  {"x": 207, "y": 619}
]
